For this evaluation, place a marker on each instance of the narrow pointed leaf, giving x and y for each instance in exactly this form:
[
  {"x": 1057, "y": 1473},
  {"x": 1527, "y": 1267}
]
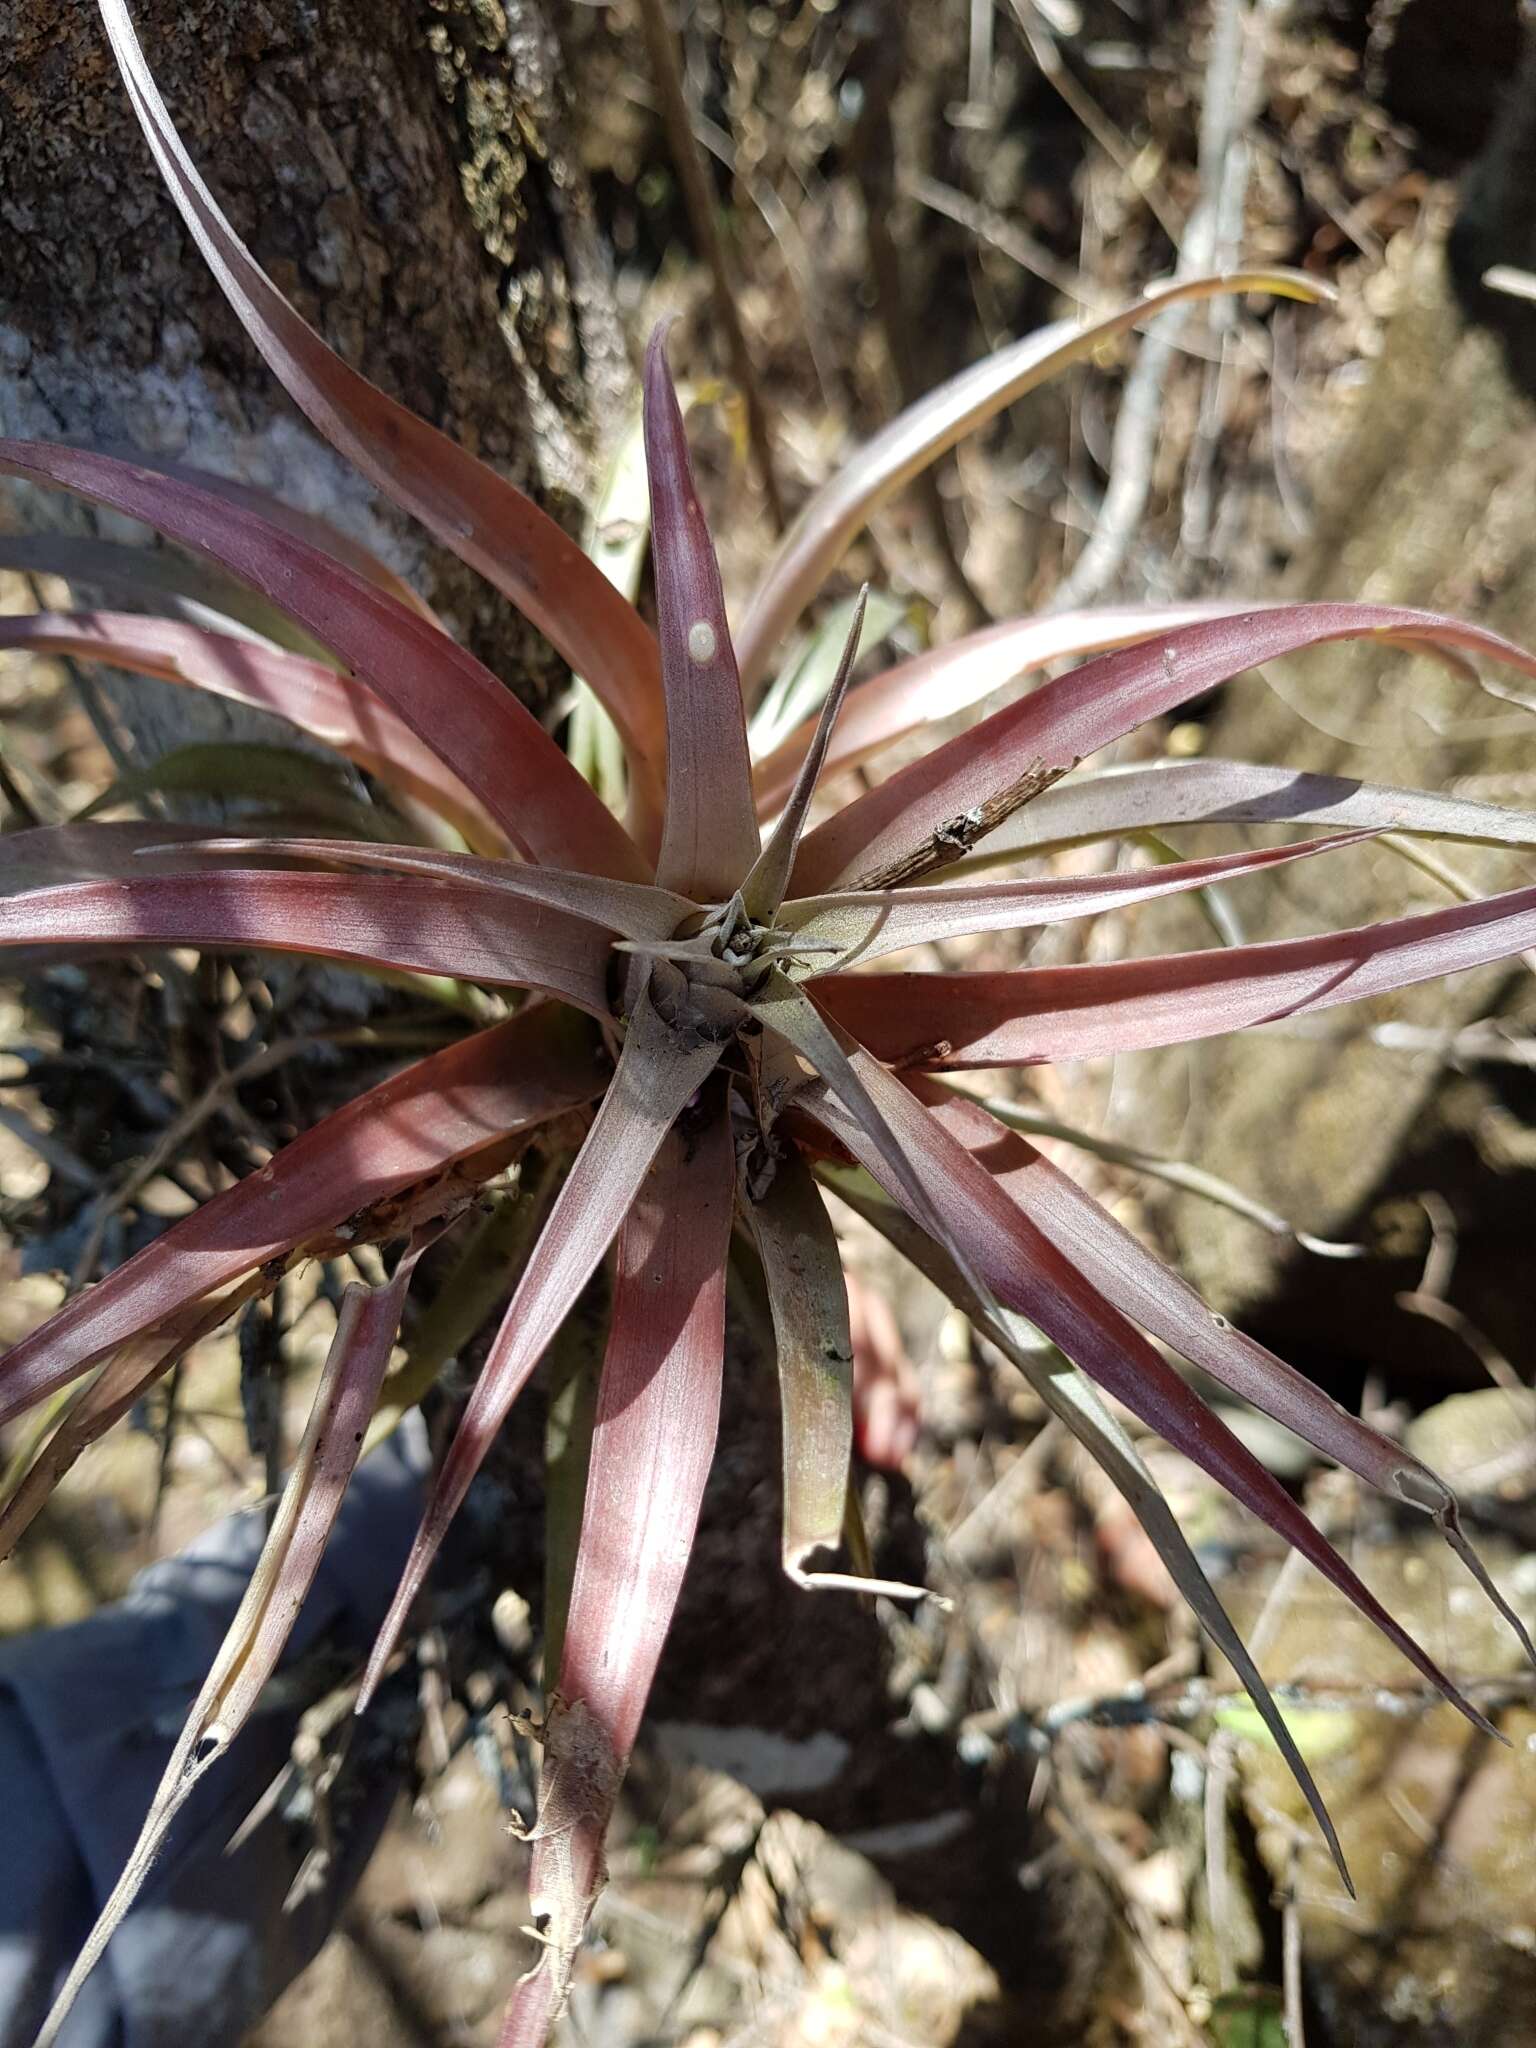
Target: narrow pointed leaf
[
  {"x": 1121, "y": 801},
  {"x": 255, "y": 1640},
  {"x": 1026, "y": 1272},
  {"x": 956, "y": 796},
  {"x": 763, "y": 890},
  {"x": 653, "y": 1441},
  {"x": 486, "y": 739},
  {"x": 122, "y": 1382},
  {"x": 421, "y": 923},
  {"x": 464, "y": 504},
  {"x": 939, "y": 1021},
  {"x": 709, "y": 839},
  {"x": 943, "y": 681},
  {"x": 318, "y": 792},
  {"x": 126, "y": 847},
  {"x": 1137, "y": 1283},
  {"x": 197, "y": 593},
  {"x": 652, "y": 1084},
  {"x": 309, "y": 694},
  {"x": 863, "y": 924},
  {"x": 358, "y": 1164},
  {"x": 791, "y": 1016},
  {"x": 310, "y": 526},
  {"x": 1072, "y": 1399},
  {"x": 636, "y": 910},
  {"x": 809, "y": 1302},
  {"x": 917, "y": 437}
]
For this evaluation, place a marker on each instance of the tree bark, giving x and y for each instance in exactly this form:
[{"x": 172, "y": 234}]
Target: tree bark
[{"x": 403, "y": 172}]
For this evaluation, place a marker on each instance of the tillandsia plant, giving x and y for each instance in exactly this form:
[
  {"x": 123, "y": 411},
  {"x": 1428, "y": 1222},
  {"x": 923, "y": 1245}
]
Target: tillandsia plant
[{"x": 694, "y": 999}]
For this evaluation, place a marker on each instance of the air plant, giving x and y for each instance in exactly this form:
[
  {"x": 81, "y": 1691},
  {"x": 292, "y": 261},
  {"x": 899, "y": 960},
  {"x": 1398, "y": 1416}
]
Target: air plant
[{"x": 693, "y": 997}]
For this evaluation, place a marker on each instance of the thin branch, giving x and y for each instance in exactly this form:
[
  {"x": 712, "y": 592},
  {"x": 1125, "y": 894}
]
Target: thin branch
[{"x": 687, "y": 160}]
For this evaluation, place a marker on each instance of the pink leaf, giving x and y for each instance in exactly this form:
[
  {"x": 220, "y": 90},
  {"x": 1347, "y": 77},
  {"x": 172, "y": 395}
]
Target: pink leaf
[
  {"x": 408, "y": 1130},
  {"x": 256, "y": 1637},
  {"x": 1031, "y": 1275},
  {"x": 1137, "y": 1283},
  {"x": 651, "y": 1086},
  {"x": 426, "y": 925},
  {"x": 866, "y": 923},
  {"x": 463, "y": 503},
  {"x": 318, "y": 700},
  {"x": 939, "y": 1021},
  {"x": 653, "y": 1442},
  {"x": 945, "y": 680},
  {"x": 952, "y": 793},
  {"x": 710, "y": 836},
  {"x": 477, "y": 728},
  {"x": 634, "y": 910}
]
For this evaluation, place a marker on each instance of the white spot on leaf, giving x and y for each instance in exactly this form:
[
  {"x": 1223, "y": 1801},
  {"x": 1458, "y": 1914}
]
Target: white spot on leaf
[{"x": 701, "y": 641}]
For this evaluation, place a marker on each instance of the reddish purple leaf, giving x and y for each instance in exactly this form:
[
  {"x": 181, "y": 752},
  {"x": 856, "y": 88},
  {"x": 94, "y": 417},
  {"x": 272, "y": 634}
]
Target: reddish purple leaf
[
  {"x": 318, "y": 700},
  {"x": 864, "y": 924},
  {"x": 955, "y": 1021},
  {"x": 710, "y": 836},
  {"x": 653, "y": 1441},
  {"x": 1133, "y": 1280},
  {"x": 634, "y": 910},
  {"x": 1029, "y": 1274},
  {"x": 425, "y": 925},
  {"x": 463, "y": 503},
  {"x": 256, "y": 1637},
  {"x": 955, "y": 794},
  {"x": 945, "y": 680},
  {"x": 486, "y": 1090},
  {"x": 652, "y": 1084},
  {"x": 477, "y": 728}
]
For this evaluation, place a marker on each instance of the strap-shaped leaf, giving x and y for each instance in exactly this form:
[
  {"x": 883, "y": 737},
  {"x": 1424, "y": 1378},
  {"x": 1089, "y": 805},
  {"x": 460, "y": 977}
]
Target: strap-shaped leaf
[
  {"x": 421, "y": 923},
  {"x": 309, "y": 694},
  {"x": 487, "y": 1090},
  {"x": 1142, "y": 1287},
  {"x": 957, "y": 795},
  {"x": 462, "y": 503},
  {"x": 863, "y": 924},
  {"x": 1122, "y": 801},
  {"x": 939, "y": 1021},
  {"x": 809, "y": 1303},
  {"x": 653, "y": 1441},
  {"x": 917, "y": 437},
  {"x": 635, "y": 910},
  {"x": 285, "y": 1571},
  {"x": 656, "y": 1076},
  {"x": 1073, "y": 1400},
  {"x": 1026, "y": 1272},
  {"x": 454, "y": 705},
  {"x": 943, "y": 681},
  {"x": 709, "y": 837}
]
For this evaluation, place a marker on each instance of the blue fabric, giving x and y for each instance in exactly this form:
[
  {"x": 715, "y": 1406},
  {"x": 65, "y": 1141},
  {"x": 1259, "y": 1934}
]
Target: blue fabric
[{"x": 88, "y": 1717}]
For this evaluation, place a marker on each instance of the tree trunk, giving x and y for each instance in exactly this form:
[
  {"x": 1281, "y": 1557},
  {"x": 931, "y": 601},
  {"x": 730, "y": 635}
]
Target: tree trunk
[{"x": 404, "y": 174}]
